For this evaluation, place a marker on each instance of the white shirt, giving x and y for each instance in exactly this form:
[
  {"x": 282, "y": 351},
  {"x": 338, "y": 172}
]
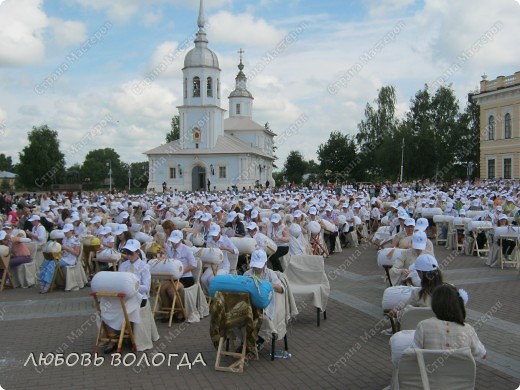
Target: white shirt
[
  {"x": 142, "y": 271},
  {"x": 223, "y": 241},
  {"x": 184, "y": 254}
]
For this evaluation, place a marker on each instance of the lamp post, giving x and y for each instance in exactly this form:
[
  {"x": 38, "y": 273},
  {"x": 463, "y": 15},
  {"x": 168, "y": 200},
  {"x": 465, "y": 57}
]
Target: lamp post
[
  {"x": 402, "y": 160},
  {"x": 109, "y": 165},
  {"x": 129, "y": 176}
]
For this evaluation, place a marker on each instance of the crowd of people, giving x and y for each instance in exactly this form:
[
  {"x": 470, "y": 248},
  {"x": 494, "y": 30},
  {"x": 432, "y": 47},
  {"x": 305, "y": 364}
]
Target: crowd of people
[{"x": 283, "y": 223}]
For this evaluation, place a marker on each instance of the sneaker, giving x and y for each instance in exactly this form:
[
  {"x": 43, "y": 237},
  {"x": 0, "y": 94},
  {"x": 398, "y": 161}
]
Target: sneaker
[
  {"x": 44, "y": 288},
  {"x": 387, "y": 332}
]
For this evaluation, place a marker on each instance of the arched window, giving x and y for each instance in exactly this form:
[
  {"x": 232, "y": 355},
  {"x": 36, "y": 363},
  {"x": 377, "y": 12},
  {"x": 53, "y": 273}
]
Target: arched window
[
  {"x": 507, "y": 126},
  {"x": 185, "y": 88},
  {"x": 210, "y": 87},
  {"x": 196, "y": 87},
  {"x": 218, "y": 89},
  {"x": 491, "y": 128}
]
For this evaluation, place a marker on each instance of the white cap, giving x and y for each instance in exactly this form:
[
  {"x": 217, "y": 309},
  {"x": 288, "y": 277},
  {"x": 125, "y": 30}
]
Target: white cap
[
  {"x": 328, "y": 208},
  {"x": 176, "y": 236},
  {"x": 409, "y": 222},
  {"x": 252, "y": 226},
  {"x": 422, "y": 224},
  {"x": 147, "y": 218},
  {"x": 502, "y": 216},
  {"x": 419, "y": 240},
  {"x": 231, "y": 216},
  {"x": 206, "y": 217},
  {"x": 95, "y": 220},
  {"x": 425, "y": 263},
  {"x": 3, "y": 234},
  {"x": 132, "y": 245},
  {"x": 121, "y": 229},
  {"x": 297, "y": 213},
  {"x": 34, "y": 217},
  {"x": 214, "y": 230},
  {"x": 67, "y": 227},
  {"x": 258, "y": 259},
  {"x": 313, "y": 210},
  {"x": 254, "y": 213},
  {"x": 275, "y": 218},
  {"x": 57, "y": 234}
]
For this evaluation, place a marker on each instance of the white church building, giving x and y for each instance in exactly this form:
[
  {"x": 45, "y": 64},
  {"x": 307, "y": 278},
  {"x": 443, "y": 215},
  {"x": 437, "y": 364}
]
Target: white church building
[{"x": 211, "y": 150}]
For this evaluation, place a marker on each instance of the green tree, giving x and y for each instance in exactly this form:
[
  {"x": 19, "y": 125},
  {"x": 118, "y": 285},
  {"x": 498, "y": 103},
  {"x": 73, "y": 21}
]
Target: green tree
[
  {"x": 295, "y": 167},
  {"x": 468, "y": 154},
  {"x": 139, "y": 172},
  {"x": 337, "y": 156},
  {"x": 6, "y": 163},
  {"x": 96, "y": 168},
  {"x": 41, "y": 161},
  {"x": 174, "y": 133}
]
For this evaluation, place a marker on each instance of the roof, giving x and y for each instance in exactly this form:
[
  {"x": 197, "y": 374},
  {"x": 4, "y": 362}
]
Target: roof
[
  {"x": 244, "y": 124},
  {"x": 226, "y": 144},
  {"x": 7, "y": 175}
]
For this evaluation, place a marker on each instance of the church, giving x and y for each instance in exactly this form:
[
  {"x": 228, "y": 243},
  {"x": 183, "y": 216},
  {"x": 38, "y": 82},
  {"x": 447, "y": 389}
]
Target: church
[{"x": 212, "y": 152}]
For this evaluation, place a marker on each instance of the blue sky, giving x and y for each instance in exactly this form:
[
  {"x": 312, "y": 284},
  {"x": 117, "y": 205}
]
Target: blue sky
[{"x": 326, "y": 72}]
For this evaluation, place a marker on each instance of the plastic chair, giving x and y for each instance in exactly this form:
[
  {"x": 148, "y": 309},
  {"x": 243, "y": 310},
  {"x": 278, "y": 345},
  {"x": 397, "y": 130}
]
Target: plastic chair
[
  {"x": 195, "y": 304},
  {"x": 421, "y": 369},
  {"x": 306, "y": 275},
  {"x": 25, "y": 275}
]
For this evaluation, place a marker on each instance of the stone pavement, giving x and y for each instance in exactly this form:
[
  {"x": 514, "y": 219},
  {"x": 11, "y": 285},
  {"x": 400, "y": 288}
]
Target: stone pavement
[{"x": 346, "y": 352}]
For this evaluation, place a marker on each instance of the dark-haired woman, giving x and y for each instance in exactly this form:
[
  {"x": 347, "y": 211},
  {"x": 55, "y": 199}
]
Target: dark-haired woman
[{"x": 448, "y": 329}]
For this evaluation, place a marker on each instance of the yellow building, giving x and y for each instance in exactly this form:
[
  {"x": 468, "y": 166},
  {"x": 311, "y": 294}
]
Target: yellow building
[{"x": 499, "y": 102}]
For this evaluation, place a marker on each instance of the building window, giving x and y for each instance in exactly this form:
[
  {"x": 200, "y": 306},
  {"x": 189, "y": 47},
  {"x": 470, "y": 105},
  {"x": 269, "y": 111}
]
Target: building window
[
  {"x": 237, "y": 109},
  {"x": 173, "y": 173},
  {"x": 507, "y": 126},
  {"x": 507, "y": 168},
  {"x": 491, "y": 128},
  {"x": 221, "y": 172},
  {"x": 185, "y": 88},
  {"x": 210, "y": 87},
  {"x": 218, "y": 88},
  {"x": 196, "y": 146},
  {"x": 196, "y": 87},
  {"x": 491, "y": 169}
]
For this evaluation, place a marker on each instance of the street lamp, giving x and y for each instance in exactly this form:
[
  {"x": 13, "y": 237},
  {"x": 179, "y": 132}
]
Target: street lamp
[
  {"x": 180, "y": 170},
  {"x": 212, "y": 170},
  {"x": 129, "y": 176},
  {"x": 402, "y": 160},
  {"x": 109, "y": 165}
]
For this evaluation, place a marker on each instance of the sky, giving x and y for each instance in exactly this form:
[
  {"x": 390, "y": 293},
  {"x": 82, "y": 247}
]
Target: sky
[{"x": 107, "y": 73}]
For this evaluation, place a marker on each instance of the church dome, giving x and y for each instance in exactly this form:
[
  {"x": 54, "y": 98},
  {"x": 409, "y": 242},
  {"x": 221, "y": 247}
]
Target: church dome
[{"x": 201, "y": 56}]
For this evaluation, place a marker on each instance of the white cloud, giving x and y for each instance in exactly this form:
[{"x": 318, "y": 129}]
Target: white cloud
[
  {"x": 21, "y": 40},
  {"x": 151, "y": 18},
  {"x": 244, "y": 27},
  {"x": 67, "y": 32},
  {"x": 120, "y": 10},
  {"x": 167, "y": 60},
  {"x": 377, "y": 8}
]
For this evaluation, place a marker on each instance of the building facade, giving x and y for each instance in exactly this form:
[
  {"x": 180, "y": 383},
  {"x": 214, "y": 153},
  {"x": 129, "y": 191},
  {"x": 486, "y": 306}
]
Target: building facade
[
  {"x": 499, "y": 101},
  {"x": 212, "y": 153}
]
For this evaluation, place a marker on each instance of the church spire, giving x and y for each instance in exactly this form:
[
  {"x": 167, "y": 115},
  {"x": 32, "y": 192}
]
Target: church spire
[{"x": 201, "y": 34}]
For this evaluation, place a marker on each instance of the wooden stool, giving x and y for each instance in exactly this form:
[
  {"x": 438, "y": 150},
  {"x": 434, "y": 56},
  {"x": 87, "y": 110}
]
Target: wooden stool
[
  {"x": 160, "y": 278},
  {"x": 103, "y": 335},
  {"x": 240, "y": 357},
  {"x": 6, "y": 276}
]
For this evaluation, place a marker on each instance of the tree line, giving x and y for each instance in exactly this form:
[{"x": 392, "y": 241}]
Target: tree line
[{"x": 434, "y": 141}]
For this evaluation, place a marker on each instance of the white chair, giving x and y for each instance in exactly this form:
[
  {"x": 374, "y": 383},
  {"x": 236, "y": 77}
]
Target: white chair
[
  {"x": 233, "y": 261},
  {"x": 26, "y": 275},
  {"x": 285, "y": 308},
  {"x": 413, "y": 315},
  {"x": 195, "y": 304},
  {"x": 75, "y": 276},
  {"x": 307, "y": 277},
  {"x": 436, "y": 369}
]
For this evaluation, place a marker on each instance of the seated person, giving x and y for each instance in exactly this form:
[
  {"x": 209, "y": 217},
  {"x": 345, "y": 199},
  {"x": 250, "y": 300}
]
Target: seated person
[
  {"x": 400, "y": 270},
  {"x": 448, "y": 330},
  {"x": 20, "y": 253},
  {"x": 217, "y": 240},
  {"x": 70, "y": 249},
  {"x": 403, "y": 239},
  {"x": 507, "y": 244},
  {"x": 135, "y": 265},
  {"x": 428, "y": 269},
  {"x": 259, "y": 270},
  {"x": 236, "y": 224},
  {"x": 178, "y": 250}
]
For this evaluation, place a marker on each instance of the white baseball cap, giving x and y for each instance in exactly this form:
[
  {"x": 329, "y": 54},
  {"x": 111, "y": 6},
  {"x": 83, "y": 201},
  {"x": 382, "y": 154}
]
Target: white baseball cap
[
  {"x": 275, "y": 218},
  {"x": 258, "y": 259},
  {"x": 252, "y": 226},
  {"x": 147, "y": 218},
  {"x": 132, "y": 245},
  {"x": 176, "y": 236},
  {"x": 3, "y": 234},
  {"x": 67, "y": 227},
  {"x": 422, "y": 224},
  {"x": 214, "y": 230},
  {"x": 425, "y": 263},
  {"x": 34, "y": 217},
  {"x": 419, "y": 240},
  {"x": 409, "y": 222},
  {"x": 206, "y": 217},
  {"x": 121, "y": 229}
]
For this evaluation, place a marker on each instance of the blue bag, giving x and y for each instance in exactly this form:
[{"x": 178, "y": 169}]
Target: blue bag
[{"x": 261, "y": 291}]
